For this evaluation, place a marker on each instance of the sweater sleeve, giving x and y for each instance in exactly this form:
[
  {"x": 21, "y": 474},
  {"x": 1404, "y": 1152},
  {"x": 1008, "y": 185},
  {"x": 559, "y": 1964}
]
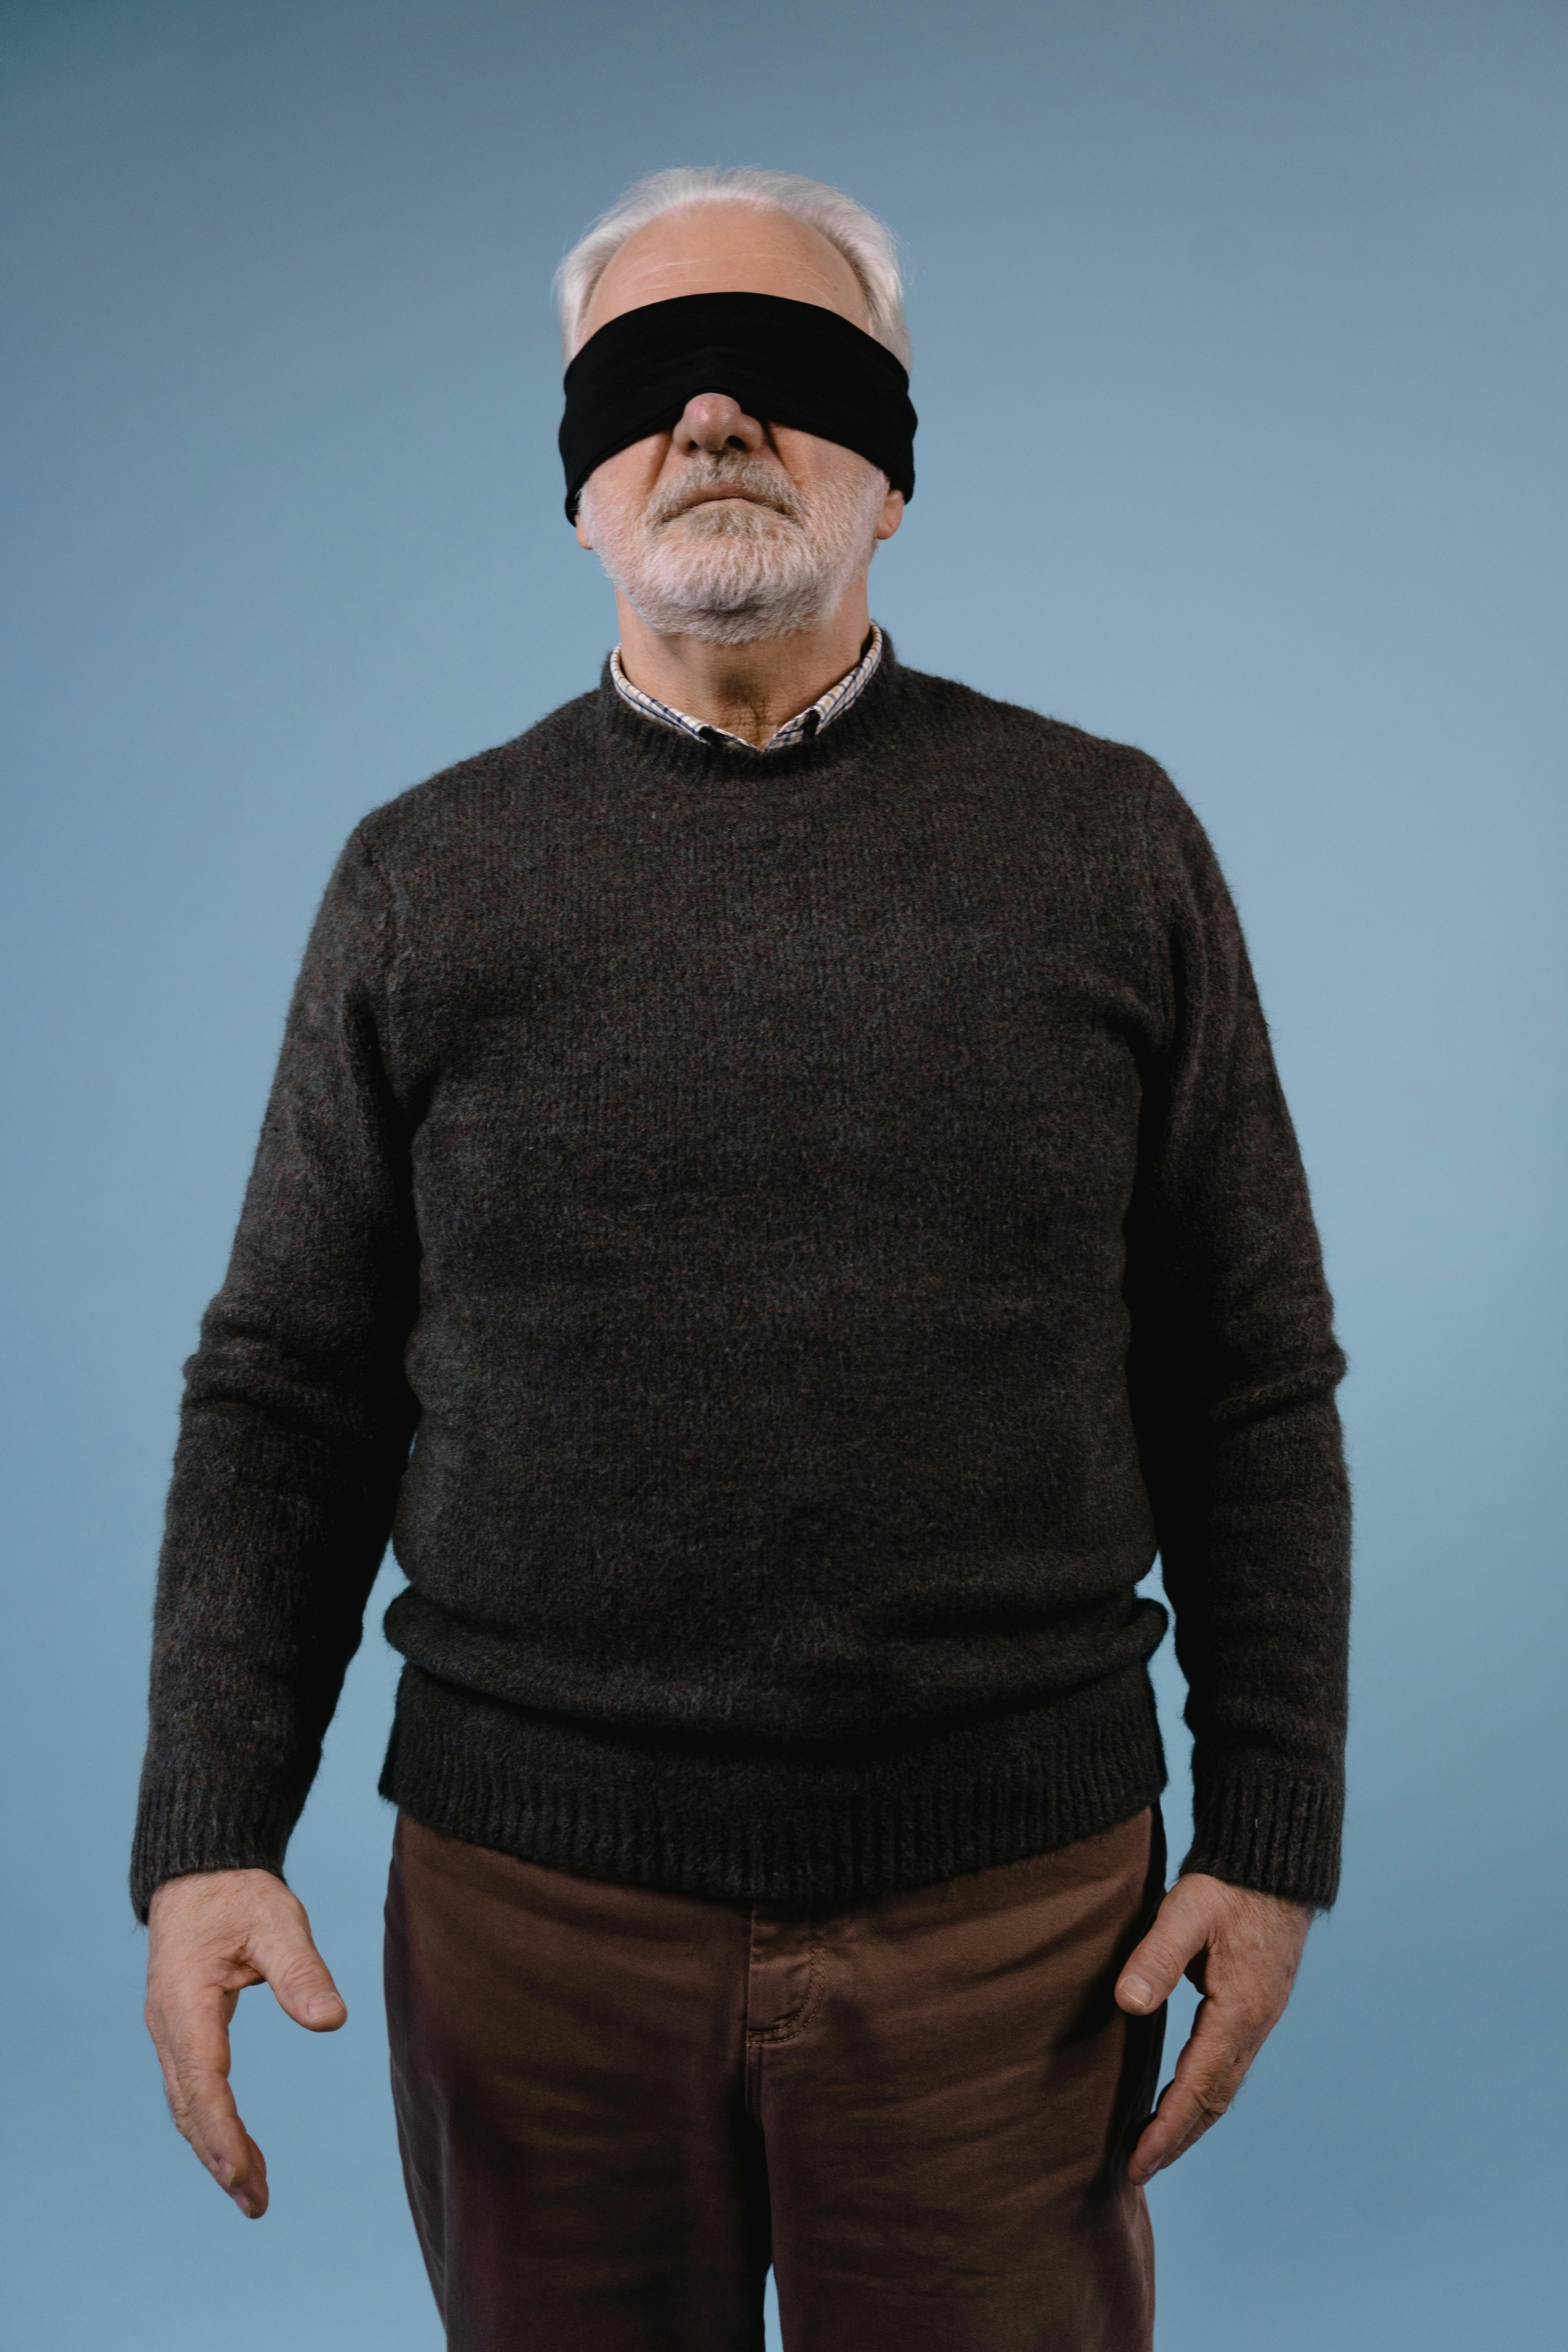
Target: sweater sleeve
[
  {"x": 294, "y": 1429},
  {"x": 1233, "y": 1369}
]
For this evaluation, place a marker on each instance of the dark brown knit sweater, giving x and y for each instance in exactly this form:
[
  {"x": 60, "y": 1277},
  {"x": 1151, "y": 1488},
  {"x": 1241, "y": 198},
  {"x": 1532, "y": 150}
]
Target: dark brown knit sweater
[{"x": 822, "y": 1221}]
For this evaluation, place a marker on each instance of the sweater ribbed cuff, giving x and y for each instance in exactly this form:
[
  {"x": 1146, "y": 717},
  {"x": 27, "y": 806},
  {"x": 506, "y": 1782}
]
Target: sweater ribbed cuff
[
  {"x": 1257, "y": 1824},
  {"x": 183, "y": 1826}
]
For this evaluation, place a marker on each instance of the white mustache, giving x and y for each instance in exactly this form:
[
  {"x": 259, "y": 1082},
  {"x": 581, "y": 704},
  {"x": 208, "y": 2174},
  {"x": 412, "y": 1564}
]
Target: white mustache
[{"x": 745, "y": 477}]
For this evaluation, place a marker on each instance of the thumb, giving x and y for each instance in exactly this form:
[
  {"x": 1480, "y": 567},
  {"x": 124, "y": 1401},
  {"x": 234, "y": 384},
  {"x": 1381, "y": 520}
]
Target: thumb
[
  {"x": 301, "y": 1979},
  {"x": 1159, "y": 1963}
]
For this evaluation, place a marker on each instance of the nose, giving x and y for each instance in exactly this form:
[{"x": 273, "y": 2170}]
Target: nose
[{"x": 712, "y": 422}]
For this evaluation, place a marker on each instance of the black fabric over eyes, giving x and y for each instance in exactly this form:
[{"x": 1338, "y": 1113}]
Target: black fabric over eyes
[{"x": 787, "y": 363}]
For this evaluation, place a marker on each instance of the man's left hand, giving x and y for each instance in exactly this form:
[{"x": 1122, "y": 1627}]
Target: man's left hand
[{"x": 1242, "y": 1951}]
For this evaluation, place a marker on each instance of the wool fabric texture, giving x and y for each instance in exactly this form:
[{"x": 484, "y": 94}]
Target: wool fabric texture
[{"x": 779, "y": 1246}]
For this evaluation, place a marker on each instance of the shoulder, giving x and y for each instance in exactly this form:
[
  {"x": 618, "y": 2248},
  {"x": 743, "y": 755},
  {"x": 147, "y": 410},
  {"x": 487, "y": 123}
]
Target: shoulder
[
  {"x": 1106, "y": 813},
  {"x": 490, "y": 786},
  {"x": 1117, "y": 781}
]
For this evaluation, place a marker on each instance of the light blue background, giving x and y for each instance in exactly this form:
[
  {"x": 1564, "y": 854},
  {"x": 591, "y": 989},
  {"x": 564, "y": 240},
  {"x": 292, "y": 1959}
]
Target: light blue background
[{"x": 1240, "y": 357}]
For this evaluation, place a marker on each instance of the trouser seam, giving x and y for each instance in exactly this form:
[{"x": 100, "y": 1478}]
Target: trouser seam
[{"x": 786, "y": 2030}]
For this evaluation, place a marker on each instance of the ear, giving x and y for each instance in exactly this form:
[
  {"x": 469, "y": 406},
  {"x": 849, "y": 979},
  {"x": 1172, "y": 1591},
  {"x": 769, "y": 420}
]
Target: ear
[
  {"x": 582, "y": 530},
  {"x": 891, "y": 516}
]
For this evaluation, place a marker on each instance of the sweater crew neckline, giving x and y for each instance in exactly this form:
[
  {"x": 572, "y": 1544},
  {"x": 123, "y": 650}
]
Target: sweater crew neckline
[{"x": 665, "y": 751}]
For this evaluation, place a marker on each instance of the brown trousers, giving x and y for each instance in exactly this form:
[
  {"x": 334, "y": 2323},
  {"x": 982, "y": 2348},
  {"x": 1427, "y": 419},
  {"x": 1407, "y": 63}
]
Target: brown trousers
[{"x": 617, "y": 2106}]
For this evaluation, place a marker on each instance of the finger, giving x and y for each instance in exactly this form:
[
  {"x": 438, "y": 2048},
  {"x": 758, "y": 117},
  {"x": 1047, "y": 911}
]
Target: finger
[
  {"x": 283, "y": 1951},
  {"x": 194, "y": 2048},
  {"x": 1208, "y": 2073},
  {"x": 1158, "y": 1964},
  {"x": 242, "y": 2180},
  {"x": 248, "y": 2187}
]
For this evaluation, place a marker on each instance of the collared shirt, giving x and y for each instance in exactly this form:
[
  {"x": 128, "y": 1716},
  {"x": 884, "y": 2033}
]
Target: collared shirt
[{"x": 798, "y": 730}]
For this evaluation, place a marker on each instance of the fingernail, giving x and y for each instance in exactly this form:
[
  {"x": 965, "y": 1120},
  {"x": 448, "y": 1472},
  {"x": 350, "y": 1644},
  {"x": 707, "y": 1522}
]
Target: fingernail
[
  {"x": 1136, "y": 1989},
  {"x": 320, "y": 2004}
]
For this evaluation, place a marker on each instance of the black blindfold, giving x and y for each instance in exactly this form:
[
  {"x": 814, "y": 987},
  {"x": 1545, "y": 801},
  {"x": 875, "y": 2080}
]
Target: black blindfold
[{"x": 786, "y": 363}]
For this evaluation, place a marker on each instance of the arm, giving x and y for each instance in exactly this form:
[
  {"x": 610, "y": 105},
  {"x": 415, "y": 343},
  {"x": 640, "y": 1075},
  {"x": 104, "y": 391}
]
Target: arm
[
  {"x": 294, "y": 1430},
  {"x": 1233, "y": 1370}
]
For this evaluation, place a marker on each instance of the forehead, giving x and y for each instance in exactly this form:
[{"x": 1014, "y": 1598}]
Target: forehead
[{"x": 725, "y": 248}]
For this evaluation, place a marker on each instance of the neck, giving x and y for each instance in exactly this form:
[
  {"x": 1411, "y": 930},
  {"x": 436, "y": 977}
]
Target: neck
[{"x": 749, "y": 690}]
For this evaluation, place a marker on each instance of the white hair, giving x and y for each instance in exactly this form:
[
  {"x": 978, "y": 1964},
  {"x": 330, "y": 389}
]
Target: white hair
[{"x": 865, "y": 243}]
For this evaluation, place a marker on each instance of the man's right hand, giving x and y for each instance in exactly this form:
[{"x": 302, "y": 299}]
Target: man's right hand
[{"x": 209, "y": 1935}]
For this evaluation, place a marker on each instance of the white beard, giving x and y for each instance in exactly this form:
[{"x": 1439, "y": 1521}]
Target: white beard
[{"x": 735, "y": 573}]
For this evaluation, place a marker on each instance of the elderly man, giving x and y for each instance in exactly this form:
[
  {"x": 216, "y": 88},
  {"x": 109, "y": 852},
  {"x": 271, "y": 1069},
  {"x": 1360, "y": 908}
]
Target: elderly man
[{"x": 777, "y": 1198}]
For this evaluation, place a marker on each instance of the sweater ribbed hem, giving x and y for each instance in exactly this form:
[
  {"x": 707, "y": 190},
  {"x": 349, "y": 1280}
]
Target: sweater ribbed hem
[
  {"x": 1258, "y": 1825},
  {"x": 773, "y": 1827},
  {"x": 184, "y": 1826}
]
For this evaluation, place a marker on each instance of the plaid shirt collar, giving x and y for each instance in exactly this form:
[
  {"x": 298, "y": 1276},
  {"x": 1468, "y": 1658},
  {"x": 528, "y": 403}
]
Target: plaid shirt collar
[{"x": 798, "y": 730}]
